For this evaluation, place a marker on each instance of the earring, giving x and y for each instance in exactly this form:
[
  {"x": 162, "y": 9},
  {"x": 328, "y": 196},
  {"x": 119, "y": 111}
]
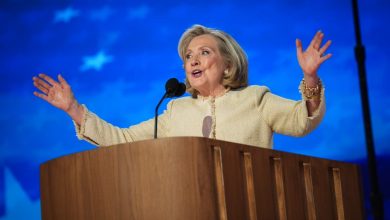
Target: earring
[{"x": 226, "y": 71}]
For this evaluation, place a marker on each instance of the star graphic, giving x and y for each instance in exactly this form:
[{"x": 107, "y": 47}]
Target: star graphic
[
  {"x": 95, "y": 62},
  {"x": 19, "y": 205},
  {"x": 66, "y": 15}
]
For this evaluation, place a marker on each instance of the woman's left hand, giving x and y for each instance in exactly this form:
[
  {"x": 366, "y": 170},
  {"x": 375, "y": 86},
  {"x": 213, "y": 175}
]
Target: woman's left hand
[{"x": 314, "y": 55}]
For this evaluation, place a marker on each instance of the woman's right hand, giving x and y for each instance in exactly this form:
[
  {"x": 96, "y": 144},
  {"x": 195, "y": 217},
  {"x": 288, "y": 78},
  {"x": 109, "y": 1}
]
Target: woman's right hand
[{"x": 58, "y": 94}]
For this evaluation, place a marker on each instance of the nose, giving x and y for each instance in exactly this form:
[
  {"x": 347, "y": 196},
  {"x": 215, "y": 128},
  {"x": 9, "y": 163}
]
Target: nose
[{"x": 195, "y": 61}]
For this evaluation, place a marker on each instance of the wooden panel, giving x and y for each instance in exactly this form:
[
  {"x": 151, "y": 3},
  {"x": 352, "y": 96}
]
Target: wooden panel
[
  {"x": 220, "y": 186},
  {"x": 308, "y": 182},
  {"x": 351, "y": 191},
  {"x": 322, "y": 189},
  {"x": 250, "y": 188},
  {"x": 264, "y": 183},
  {"x": 279, "y": 187},
  {"x": 234, "y": 184},
  {"x": 294, "y": 186},
  {"x": 338, "y": 193}
]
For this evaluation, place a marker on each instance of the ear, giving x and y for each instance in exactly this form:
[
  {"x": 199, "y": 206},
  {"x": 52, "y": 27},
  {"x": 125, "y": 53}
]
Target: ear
[{"x": 227, "y": 68}]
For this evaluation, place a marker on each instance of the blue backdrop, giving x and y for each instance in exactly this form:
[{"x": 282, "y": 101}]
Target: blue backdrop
[{"x": 117, "y": 56}]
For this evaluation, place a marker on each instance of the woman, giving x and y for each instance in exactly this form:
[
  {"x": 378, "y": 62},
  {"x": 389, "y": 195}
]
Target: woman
[{"x": 222, "y": 105}]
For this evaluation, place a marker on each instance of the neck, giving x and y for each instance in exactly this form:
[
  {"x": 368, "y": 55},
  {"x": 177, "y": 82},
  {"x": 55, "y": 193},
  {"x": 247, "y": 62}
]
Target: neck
[{"x": 218, "y": 91}]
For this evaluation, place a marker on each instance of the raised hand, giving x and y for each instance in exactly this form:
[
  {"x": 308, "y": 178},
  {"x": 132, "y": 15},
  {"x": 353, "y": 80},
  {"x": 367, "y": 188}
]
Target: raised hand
[
  {"x": 314, "y": 55},
  {"x": 59, "y": 94}
]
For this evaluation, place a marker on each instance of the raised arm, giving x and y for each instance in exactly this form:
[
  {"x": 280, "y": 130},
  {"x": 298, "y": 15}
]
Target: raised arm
[
  {"x": 310, "y": 61},
  {"x": 59, "y": 94}
]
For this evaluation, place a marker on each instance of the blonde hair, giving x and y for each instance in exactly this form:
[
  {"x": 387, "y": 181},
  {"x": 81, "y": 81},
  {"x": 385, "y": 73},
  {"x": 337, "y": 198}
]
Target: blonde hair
[{"x": 232, "y": 53}]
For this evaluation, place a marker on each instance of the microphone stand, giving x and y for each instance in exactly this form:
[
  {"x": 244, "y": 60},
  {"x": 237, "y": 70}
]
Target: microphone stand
[
  {"x": 156, "y": 114},
  {"x": 375, "y": 195}
]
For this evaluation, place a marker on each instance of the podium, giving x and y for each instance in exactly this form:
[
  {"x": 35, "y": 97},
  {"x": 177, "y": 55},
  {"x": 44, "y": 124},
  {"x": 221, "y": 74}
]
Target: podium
[{"x": 198, "y": 178}]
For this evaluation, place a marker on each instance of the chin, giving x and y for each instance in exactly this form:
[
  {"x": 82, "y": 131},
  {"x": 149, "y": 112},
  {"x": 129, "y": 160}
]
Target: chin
[{"x": 199, "y": 82}]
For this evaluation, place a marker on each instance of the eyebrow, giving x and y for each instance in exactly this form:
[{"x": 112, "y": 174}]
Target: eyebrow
[{"x": 201, "y": 47}]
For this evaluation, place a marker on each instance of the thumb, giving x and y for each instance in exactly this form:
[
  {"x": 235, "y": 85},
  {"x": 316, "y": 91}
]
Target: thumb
[{"x": 298, "y": 44}]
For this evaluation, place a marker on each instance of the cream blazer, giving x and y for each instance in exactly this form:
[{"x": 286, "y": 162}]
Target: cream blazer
[{"x": 248, "y": 116}]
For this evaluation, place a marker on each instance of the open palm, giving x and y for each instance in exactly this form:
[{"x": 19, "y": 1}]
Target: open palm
[
  {"x": 311, "y": 59},
  {"x": 58, "y": 94}
]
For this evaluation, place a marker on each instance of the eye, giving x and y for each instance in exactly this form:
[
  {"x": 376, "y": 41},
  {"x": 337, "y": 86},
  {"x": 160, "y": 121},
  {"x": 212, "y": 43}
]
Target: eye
[
  {"x": 188, "y": 56},
  {"x": 205, "y": 52}
]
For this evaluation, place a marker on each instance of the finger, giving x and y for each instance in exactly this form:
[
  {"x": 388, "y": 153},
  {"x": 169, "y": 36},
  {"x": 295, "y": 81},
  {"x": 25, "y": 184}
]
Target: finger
[
  {"x": 325, "y": 47},
  {"x": 41, "y": 82},
  {"x": 62, "y": 81},
  {"x": 48, "y": 79},
  {"x": 42, "y": 96},
  {"x": 318, "y": 42},
  {"x": 326, "y": 57},
  {"x": 314, "y": 40},
  {"x": 298, "y": 44},
  {"x": 41, "y": 88}
]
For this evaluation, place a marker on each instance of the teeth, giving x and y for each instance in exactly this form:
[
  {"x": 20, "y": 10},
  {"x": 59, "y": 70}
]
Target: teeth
[{"x": 196, "y": 71}]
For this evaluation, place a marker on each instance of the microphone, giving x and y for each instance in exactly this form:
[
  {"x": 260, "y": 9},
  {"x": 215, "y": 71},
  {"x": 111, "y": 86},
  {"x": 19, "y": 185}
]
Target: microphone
[{"x": 173, "y": 88}]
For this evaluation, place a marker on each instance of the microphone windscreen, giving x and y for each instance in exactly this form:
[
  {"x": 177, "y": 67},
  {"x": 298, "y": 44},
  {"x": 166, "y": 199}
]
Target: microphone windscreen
[
  {"x": 171, "y": 86},
  {"x": 180, "y": 90}
]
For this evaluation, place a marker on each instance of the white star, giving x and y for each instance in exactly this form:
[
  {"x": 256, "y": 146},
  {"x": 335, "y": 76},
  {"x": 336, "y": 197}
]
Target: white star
[
  {"x": 95, "y": 62},
  {"x": 18, "y": 204},
  {"x": 66, "y": 14}
]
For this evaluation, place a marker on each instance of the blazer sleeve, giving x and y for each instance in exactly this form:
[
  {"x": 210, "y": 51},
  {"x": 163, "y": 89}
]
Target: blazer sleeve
[
  {"x": 287, "y": 116},
  {"x": 101, "y": 133}
]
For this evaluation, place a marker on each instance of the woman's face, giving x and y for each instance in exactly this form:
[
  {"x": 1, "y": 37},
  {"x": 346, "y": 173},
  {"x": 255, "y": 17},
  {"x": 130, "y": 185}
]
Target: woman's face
[{"x": 204, "y": 65}]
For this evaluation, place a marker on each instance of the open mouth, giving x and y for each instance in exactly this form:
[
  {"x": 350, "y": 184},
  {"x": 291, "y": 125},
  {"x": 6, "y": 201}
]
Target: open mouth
[{"x": 196, "y": 73}]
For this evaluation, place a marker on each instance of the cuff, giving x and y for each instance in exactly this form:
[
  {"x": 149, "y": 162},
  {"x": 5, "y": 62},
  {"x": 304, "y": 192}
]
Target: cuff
[
  {"x": 320, "y": 109},
  {"x": 80, "y": 129}
]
